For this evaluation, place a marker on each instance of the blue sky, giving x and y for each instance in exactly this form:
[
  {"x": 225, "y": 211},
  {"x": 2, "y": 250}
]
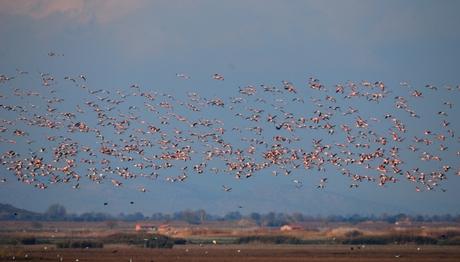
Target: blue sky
[{"x": 117, "y": 43}]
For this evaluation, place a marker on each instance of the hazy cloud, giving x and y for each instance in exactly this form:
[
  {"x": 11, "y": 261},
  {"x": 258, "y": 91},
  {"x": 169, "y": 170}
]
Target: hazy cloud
[{"x": 81, "y": 11}]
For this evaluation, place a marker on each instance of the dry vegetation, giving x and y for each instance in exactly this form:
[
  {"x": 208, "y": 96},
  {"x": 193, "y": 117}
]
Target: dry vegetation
[
  {"x": 101, "y": 241},
  {"x": 264, "y": 253}
]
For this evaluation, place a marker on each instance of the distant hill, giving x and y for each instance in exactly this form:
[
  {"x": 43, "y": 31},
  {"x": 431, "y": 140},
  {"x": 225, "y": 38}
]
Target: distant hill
[
  {"x": 9, "y": 212},
  {"x": 57, "y": 212}
]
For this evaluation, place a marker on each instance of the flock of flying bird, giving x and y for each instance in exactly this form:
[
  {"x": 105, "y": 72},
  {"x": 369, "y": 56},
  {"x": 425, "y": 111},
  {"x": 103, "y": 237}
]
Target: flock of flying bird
[{"x": 111, "y": 136}]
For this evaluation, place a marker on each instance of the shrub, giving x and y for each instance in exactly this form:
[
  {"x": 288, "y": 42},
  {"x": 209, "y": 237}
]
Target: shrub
[
  {"x": 29, "y": 241},
  {"x": 180, "y": 241},
  {"x": 269, "y": 240},
  {"x": 126, "y": 238},
  {"x": 80, "y": 244},
  {"x": 398, "y": 239},
  {"x": 353, "y": 234},
  {"x": 450, "y": 241},
  {"x": 367, "y": 241},
  {"x": 147, "y": 240},
  {"x": 159, "y": 241},
  {"x": 8, "y": 241}
]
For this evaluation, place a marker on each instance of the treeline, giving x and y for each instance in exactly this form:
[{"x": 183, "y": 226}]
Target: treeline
[{"x": 58, "y": 212}]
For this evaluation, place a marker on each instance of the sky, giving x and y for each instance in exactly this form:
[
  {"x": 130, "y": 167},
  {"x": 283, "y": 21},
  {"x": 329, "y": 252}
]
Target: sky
[{"x": 118, "y": 43}]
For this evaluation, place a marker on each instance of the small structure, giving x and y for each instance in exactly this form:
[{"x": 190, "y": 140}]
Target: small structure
[
  {"x": 146, "y": 228},
  {"x": 291, "y": 227}
]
